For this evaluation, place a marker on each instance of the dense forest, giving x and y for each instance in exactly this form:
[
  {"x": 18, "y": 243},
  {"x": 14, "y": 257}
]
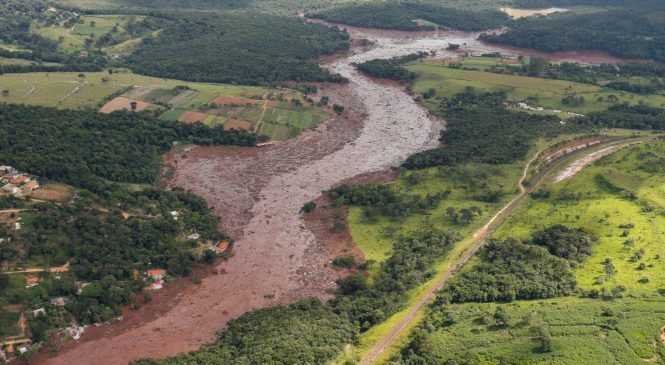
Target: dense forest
[
  {"x": 403, "y": 16},
  {"x": 640, "y": 117},
  {"x": 509, "y": 270},
  {"x": 479, "y": 129},
  {"x": 238, "y": 48},
  {"x": 631, "y": 33},
  {"x": 390, "y": 68},
  {"x": 306, "y": 332},
  {"x": 85, "y": 148}
]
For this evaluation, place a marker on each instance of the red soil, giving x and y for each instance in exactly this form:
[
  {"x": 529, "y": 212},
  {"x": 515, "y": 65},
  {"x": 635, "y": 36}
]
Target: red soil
[
  {"x": 238, "y": 124},
  {"x": 122, "y": 103},
  {"x": 234, "y": 100},
  {"x": 193, "y": 117}
]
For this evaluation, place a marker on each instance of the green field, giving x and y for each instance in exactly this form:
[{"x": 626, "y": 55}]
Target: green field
[
  {"x": 49, "y": 89},
  {"x": 626, "y": 204},
  {"x": 537, "y": 91},
  {"x": 466, "y": 184},
  {"x": 73, "y": 39},
  {"x": 22, "y": 62},
  {"x": 583, "y": 331},
  {"x": 604, "y": 212}
]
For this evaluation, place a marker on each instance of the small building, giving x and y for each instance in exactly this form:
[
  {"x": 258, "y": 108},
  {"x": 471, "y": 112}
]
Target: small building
[
  {"x": 194, "y": 236},
  {"x": 59, "y": 301},
  {"x": 30, "y": 186},
  {"x": 23, "y": 349},
  {"x": 83, "y": 54},
  {"x": 10, "y": 188},
  {"x": 17, "y": 226},
  {"x": 157, "y": 284},
  {"x": 40, "y": 311},
  {"x": 157, "y": 274},
  {"x": 175, "y": 214},
  {"x": 20, "y": 180},
  {"x": 222, "y": 246},
  {"x": 4, "y": 169},
  {"x": 79, "y": 286}
]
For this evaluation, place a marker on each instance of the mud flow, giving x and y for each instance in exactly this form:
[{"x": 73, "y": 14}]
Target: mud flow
[{"x": 258, "y": 193}]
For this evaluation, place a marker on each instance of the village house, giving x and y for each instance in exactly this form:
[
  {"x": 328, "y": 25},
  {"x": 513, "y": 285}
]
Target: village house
[
  {"x": 59, "y": 301},
  {"x": 30, "y": 186},
  {"x": 20, "y": 179},
  {"x": 157, "y": 284},
  {"x": 39, "y": 311},
  {"x": 79, "y": 286},
  {"x": 157, "y": 274},
  {"x": 222, "y": 246},
  {"x": 175, "y": 214},
  {"x": 10, "y": 188},
  {"x": 194, "y": 236}
]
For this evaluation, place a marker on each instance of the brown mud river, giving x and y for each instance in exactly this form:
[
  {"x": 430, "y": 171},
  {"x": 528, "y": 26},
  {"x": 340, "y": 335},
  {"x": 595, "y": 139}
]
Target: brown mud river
[{"x": 258, "y": 193}]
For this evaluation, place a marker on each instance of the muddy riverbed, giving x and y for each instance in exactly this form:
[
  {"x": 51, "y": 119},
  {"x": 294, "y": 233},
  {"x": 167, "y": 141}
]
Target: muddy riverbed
[{"x": 258, "y": 193}]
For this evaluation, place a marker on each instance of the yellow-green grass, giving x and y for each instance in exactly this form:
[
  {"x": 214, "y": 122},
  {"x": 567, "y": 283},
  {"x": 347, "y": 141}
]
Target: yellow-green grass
[
  {"x": 543, "y": 92},
  {"x": 372, "y": 238},
  {"x": 425, "y": 23},
  {"x": 482, "y": 63},
  {"x": 128, "y": 46},
  {"x": 12, "y": 47},
  {"x": 23, "y": 62},
  {"x": 583, "y": 331},
  {"x": 49, "y": 89},
  {"x": 74, "y": 38},
  {"x": 375, "y": 236},
  {"x": 603, "y": 213}
]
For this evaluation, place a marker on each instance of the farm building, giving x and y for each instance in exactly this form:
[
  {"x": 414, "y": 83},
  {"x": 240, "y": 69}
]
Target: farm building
[
  {"x": 158, "y": 284},
  {"x": 157, "y": 274},
  {"x": 30, "y": 186},
  {"x": 222, "y": 246},
  {"x": 59, "y": 301}
]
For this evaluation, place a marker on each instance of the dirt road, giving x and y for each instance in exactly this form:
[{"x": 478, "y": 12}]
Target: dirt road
[{"x": 475, "y": 243}]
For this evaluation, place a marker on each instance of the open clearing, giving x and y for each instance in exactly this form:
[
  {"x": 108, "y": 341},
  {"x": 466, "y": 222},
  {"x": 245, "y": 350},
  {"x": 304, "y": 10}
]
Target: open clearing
[
  {"x": 73, "y": 39},
  {"x": 522, "y": 13},
  {"x": 51, "y": 87},
  {"x": 542, "y": 92}
]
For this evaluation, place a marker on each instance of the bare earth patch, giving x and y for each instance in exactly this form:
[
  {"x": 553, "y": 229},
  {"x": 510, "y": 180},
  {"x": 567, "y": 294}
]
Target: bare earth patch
[{"x": 122, "y": 103}]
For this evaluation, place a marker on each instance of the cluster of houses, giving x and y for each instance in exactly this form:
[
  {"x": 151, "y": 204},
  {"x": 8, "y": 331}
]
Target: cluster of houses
[{"x": 16, "y": 183}]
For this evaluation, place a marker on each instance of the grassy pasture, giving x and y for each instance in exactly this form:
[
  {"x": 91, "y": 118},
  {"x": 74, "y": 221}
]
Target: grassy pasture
[
  {"x": 542, "y": 92},
  {"x": 583, "y": 331},
  {"x": 74, "y": 38},
  {"x": 23, "y": 62},
  {"x": 604, "y": 212},
  {"x": 50, "y": 88}
]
